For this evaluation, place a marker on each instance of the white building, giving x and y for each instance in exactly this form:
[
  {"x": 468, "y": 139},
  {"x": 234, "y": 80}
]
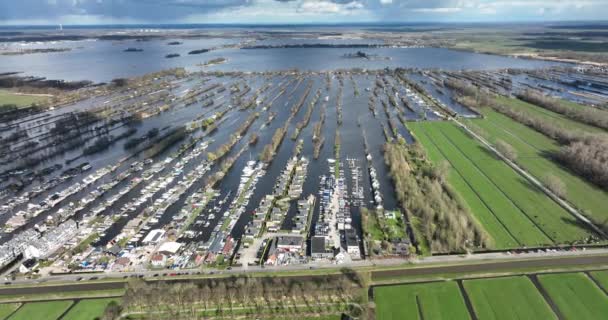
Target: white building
[{"x": 154, "y": 237}]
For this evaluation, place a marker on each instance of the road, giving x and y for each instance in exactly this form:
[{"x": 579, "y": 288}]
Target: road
[{"x": 472, "y": 264}]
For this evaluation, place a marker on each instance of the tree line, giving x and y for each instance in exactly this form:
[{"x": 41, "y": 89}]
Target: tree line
[
  {"x": 584, "y": 153},
  {"x": 440, "y": 216},
  {"x": 588, "y": 115},
  {"x": 237, "y": 296}
]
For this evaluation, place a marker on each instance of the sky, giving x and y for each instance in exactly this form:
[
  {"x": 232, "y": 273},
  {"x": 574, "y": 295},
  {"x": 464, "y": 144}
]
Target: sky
[{"x": 20, "y": 12}]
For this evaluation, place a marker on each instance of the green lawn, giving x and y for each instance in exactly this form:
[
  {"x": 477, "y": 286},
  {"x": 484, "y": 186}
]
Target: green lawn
[
  {"x": 7, "y": 308},
  {"x": 7, "y": 97},
  {"x": 601, "y": 277},
  {"x": 530, "y": 216},
  {"x": 534, "y": 155},
  {"x": 507, "y": 298},
  {"x": 437, "y": 300},
  {"x": 41, "y": 310},
  {"x": 575, "y": 295},
  {"x": 88, "y": 309}
]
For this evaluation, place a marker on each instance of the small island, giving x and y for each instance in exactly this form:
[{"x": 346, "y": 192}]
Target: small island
[
  {"x": 172, "y": 55},
  {"x": 199, "y": 51},
  {"x": 31, "y": 51},
  {"x": 133, "y": 50},
  {"x": 174, "y": 43},
  {"x": 364, "y": 55},
  {"x": 212, "y": 62}
]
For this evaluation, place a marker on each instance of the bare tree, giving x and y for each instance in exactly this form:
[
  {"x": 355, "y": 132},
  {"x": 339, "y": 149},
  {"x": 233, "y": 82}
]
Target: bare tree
[
  {"x": 506, "y": 150},
  {"x": 555, "y": 184}
]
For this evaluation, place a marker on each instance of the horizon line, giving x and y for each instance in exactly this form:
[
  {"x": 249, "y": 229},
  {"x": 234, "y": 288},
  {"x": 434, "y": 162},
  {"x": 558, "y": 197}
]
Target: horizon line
[{"x": 272, "y": 24}]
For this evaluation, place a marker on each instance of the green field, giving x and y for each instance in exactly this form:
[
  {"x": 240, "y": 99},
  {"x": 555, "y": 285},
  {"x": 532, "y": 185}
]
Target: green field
[
  {"x": 437, "y": 300},
  {"x": 7, "y": 308},
  {"x": 513, "y": 211},
  {"x": 575, "y": 295},
  {"x": 41, "y": 310},
  {"x": 7, "y": 97},
  {"x": 601, "y": 277},
  {"x": 88, "y": 309},
  {"x": 507, "y": 298},
  {"x": 556, "y": 118},
  {"x": 534, "y": 152}
]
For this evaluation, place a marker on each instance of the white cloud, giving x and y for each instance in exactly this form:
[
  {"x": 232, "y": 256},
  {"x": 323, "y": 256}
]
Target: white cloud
[{"x": 438, "y": 10}]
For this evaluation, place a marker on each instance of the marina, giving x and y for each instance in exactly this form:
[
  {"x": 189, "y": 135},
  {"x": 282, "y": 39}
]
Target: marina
[{"x": 219, "y": 168}]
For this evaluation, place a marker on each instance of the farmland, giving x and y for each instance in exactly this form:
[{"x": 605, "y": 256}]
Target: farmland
[
  {"x": 552, "y": 296},
  {"x": 41, "y": 310},
  {"x": 557, "y": 118},
  {"x": 535, "y": 152},
  {"x": 507, "y": 298},
  {"x": 575, "y": 295},
  {"x": 601, "y": 278},
  {"x": 87, "y": 309},
  {"x": 511, "y": 209},
  {"x": 7, "y": 308},
  {"x": 440, "y": 300}
]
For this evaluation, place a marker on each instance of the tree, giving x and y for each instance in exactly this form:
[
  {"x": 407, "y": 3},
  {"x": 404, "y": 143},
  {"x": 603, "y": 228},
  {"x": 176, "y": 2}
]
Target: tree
[
  {"x": 555, "y": 184},
  {"x": 112, "y": 311},
  {"x": 506, "y": 150}
]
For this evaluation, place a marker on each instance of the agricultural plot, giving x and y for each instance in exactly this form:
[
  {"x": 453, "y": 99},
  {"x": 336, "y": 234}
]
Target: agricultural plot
[
  {"x": 480, "y": 208},
  {"x": 553, "y": 220},
  {"x": 7, "y": 308},
  {"x": 522, "y": 210},
  {"x": 553, "y": 116},
  {"x": 601, "y": 278},
  {"x": 507, "y": 298},
  {"x": 439, "y": 300},
  {"x": 534, "y": 155},
  {"x": 88, "y": 309},
  {"x": 41, "y": 310},
  {"x": 575, "y": 295}
]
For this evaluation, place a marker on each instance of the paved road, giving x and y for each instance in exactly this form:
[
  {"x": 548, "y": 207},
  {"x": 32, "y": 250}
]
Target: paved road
[
  {"x": 500, "y": 266},
  {"x": 470, "y": 265}
]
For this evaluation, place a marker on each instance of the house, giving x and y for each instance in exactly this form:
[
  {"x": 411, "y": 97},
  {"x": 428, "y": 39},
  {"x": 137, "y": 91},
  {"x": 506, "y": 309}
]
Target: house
[
  {"x": 318, "y": 249},
  {"x": 352, "y": 244},
  {"x": 158, "y": 260},
  {"x": 169, "y": 248},
  {"x": 154, "y": 237},
  {"x": 121, "y": 263},
  {"x": 290, "y": 243},
  {"x": 113, "y": 250}
]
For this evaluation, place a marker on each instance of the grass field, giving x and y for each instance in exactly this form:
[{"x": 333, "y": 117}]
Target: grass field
[
  {"x": 88, "y": 309},
  {"x": 7, "y": 308},
  {"x": 601, "y": 277},
  {"x": 556, "y": 118},
  {"x": 478, "y": 203},
  {"x": 438, "y": 300},
  {"x": 63, "y": 295},
  {"x": 41, "y": 310},
  {"x": 503, "y": 201},
  {"x": 7, "y": 97},
  {"x": 507, "y": 298},
  {"x": 575, "y": 295},
  {"x": 534, "y": 152}
]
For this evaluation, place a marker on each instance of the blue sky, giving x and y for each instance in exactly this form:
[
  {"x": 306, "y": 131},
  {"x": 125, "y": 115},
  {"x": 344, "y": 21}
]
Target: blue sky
[{"x": 294, "y": 11}]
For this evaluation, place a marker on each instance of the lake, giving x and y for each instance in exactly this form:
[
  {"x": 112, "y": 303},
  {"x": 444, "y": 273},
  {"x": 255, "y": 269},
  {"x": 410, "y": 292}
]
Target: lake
[{"x": 101, "y": 61}]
